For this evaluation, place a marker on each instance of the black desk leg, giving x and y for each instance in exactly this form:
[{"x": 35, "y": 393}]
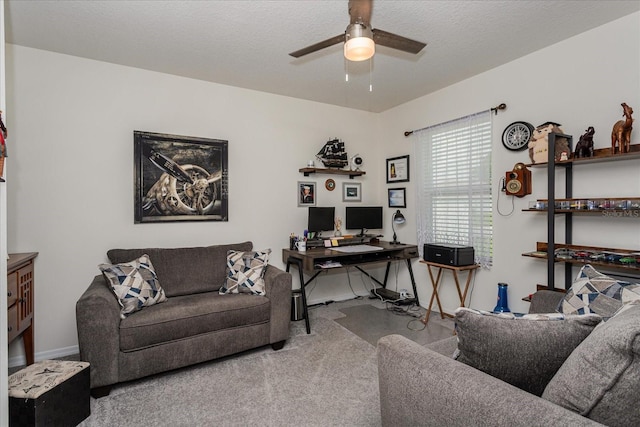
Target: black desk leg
[
  {"x": 413, "y": 281},
  {"x": 305, "y": 313}
]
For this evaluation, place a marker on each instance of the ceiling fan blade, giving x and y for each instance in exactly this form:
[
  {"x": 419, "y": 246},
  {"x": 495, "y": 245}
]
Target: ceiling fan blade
[
  {"x": 360, "y": 11},
  {"x": 318, "y": 46},
  {"x": 395, "y": 41}
]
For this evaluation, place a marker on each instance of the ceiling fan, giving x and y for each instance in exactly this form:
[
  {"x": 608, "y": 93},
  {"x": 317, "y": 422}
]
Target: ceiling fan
[{"x": 360, "y": 39}]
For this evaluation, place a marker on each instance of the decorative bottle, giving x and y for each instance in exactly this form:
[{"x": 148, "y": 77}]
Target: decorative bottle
[{"x": 503, "y": 301}]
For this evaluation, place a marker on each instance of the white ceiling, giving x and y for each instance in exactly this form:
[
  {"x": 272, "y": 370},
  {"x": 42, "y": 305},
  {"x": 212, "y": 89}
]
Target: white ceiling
[{"x": 246, "y": 43}]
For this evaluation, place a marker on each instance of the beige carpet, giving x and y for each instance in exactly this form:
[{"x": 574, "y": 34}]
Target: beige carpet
[{"x": 326, "y": 378}]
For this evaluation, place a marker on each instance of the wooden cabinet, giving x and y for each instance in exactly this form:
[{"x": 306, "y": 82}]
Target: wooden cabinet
[
  {"x": 20, "y": 299},
  {"x": 570, "y": 206}
]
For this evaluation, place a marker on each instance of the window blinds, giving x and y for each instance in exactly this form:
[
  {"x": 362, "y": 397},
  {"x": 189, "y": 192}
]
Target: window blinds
[{"x": 453, "y": 161}]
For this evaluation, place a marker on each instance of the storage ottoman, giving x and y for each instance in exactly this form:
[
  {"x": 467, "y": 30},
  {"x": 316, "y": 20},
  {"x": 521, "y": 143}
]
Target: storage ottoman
[{"x": 50, "y": 393}]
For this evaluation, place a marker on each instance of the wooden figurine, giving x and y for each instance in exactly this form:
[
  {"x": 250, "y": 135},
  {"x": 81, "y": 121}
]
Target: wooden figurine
[
  {"x": 584, "y": 147},
  {"x": 621, "y": 132}
]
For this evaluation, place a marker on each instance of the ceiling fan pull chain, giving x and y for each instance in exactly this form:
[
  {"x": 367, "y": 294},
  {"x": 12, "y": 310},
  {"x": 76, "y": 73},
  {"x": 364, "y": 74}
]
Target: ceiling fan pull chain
[
  {"x": 346, "y": 70},
  {"x": 371, "y": 74}
]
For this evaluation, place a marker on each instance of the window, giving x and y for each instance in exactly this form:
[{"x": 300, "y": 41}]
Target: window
[{"x": 454, "y": 184}]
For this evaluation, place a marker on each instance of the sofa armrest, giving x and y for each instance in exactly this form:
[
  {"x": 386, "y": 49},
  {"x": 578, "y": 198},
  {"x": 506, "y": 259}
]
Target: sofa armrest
[
  {"x": 98, "y": 325},
  {"x": 278, "y": 290},
  {"x": 421, "y": 387}
]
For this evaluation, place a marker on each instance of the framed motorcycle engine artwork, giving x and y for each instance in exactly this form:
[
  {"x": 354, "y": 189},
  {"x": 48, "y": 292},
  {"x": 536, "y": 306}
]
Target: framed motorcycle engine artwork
[{"x": 180, "y": 178}]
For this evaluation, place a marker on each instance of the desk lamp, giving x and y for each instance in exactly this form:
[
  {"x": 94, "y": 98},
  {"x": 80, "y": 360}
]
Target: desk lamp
[{"x": 396, "y": 218}]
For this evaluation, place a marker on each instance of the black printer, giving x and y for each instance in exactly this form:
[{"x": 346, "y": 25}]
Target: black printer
[{"x": 448, "y": 254}]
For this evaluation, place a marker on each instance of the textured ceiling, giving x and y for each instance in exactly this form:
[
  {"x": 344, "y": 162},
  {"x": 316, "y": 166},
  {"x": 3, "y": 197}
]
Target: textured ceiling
[{"x": 246, "y": 43}]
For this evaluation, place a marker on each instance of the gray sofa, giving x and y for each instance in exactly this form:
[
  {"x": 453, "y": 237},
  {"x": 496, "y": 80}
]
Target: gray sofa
[
  {"x": 599, "y": 380},
  {"x": 195, "y": 323}
]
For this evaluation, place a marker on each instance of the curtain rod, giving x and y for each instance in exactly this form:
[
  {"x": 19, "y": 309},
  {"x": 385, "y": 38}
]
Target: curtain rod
[{"x": 494, "y": 109}]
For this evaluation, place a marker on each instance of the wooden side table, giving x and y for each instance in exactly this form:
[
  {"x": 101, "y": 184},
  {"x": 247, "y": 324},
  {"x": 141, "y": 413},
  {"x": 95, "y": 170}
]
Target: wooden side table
[
  {"x": 20, "y": 301},
  {"x": 462, "y": 294}
]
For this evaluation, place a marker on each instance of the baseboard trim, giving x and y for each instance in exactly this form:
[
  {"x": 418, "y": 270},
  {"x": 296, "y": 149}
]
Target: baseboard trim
[{"x": 45, "y": 355}]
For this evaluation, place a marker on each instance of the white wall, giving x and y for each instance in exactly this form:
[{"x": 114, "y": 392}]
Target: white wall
[
  {"x": 72, "y": 168},
  {"x": 579, "y": 82},
  {"x": 71, "y": 196}
]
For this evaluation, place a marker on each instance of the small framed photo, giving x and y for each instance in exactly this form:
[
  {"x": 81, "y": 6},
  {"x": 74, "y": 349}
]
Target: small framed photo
[
  {"x": 306, "y": 193},
  {"x": 397, "y": 198},
  {"x": 351, "y": 192},
  {"x": 398, "y": 169}
]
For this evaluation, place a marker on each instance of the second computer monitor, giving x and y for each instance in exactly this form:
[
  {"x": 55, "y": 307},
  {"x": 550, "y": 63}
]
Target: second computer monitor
[{"x": 363, "y": 218}]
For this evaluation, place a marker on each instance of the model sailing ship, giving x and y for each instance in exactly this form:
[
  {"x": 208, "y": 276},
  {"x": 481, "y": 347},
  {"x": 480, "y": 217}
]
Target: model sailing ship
[{"x": 332, "y": 155}]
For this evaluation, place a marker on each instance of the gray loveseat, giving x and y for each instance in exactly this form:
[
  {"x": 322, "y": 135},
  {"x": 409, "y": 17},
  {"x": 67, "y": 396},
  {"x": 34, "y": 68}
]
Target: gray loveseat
[
  {"x": 195, "y": 323},
  {"x": 600, "y": 380}
]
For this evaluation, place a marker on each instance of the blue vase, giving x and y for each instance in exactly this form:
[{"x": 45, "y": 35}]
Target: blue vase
[{"x": 503, "y": 302}]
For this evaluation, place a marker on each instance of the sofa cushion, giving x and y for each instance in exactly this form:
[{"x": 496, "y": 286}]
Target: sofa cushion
[
  {"x": 184, "y": 271},
  {"x": 525, "y": 352},
  {"x": 600, "y": 379},
  {"x": 245, "y": 272},
  {"x": 594, "y": 292},
  {"x": 135, "y": 283},
  {"x": 190, "y": 315}
]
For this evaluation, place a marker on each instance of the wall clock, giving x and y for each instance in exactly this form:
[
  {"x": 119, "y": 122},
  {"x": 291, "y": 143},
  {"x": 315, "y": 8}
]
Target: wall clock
[
  {"x": 516, "y": 136},
  {"x": 330, "y": 184}
]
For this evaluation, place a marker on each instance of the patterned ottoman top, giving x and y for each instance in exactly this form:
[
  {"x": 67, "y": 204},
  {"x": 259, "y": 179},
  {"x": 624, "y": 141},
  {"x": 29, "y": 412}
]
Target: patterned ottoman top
[{"x": 39, "y": 378}]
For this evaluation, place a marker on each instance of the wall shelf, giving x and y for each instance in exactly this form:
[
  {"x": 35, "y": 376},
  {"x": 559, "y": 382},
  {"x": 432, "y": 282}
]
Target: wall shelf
[
  {"x": 599, "y": 155},
  {"x": 546, "y": 251},
  {"x": 542, "y": 247},
  {"x": 329, "y": 171}
]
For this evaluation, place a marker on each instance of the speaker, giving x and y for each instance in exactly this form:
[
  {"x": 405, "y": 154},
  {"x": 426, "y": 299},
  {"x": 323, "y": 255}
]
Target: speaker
[{"x": 518, "y": 181}]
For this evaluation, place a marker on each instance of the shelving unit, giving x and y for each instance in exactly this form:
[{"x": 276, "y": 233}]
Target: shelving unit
[
  {"x": 547, "y": 250},
  {"x": 329, "y": 171}
]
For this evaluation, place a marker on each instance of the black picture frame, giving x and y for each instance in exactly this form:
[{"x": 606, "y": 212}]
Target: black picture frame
[
  {"x": 398, "y": 169},
  {"x": 180, "y": 178},
  {"x": 397, "y": 197}
]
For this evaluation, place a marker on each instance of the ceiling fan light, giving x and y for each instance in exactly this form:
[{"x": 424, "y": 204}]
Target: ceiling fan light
[
  {"x": 359, "y": 49},
  {"x": 359, "y": 44}
]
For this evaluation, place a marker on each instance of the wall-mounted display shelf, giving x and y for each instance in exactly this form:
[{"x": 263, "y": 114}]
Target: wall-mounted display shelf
[
  {"x": 599, "y": 155},
  {"x": 605, "y": 206},
  {"x": 352, "y": 174},
  {"x": 594, "y": 255},
  {"x": 614, "y": 207}
]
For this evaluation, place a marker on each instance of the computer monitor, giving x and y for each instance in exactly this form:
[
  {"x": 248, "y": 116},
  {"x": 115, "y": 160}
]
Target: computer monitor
[
  {"x": 363, "y": 218},
  {"x": 321, "y": 219}
]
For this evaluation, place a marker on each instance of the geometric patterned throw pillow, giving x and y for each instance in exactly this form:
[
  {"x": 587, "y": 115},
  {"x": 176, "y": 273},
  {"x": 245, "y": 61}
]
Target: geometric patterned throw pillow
[
  {"x": 245, "y": 272},
  {"x": 594, "y": 292},
  {"x": 135, "y": 284}
]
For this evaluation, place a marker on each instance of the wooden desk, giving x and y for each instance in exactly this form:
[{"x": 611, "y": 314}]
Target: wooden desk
[
  {"x": 309, "y": 260},
  {"x": 435, "y": 282},
  {"x": 20, "y": 288}
]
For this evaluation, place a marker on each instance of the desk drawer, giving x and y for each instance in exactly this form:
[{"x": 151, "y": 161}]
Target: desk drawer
[
  {"x": 12, "y": 323},
  {"x": 12, "y": 289},
  {"x": 410, "y": 252}
]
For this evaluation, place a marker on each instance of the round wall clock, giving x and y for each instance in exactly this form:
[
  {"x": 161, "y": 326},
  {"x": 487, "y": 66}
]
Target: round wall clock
[
  {"x": 516, "y": 136},
  {"x": 330, "y": 184}
]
